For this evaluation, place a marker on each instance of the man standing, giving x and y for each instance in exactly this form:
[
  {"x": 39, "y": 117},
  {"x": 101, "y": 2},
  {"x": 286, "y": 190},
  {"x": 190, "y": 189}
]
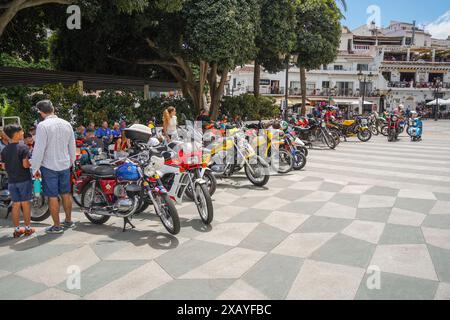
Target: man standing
[{"x": 54, "y": 154}]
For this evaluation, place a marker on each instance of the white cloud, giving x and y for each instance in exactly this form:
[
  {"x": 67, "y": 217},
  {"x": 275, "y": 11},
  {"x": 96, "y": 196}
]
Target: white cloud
[{"x": 440, "y": 28}]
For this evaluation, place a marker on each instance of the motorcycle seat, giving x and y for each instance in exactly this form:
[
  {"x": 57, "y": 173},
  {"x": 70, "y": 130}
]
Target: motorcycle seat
[
  {"x": 99, "y": 171},
  {"x": 300, "y": 129}
]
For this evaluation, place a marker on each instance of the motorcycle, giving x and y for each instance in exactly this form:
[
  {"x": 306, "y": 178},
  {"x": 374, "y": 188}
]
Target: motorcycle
[
  {"x": 358, "y": 127},
  {"x": 271, "y": 144},
  {"x": 228, "y": 155},
  {"x": 118, "y": 191},
  {"x": 393, "y": 127},
  {"x": 316, "y": 131},
  {"x": 297, "y": 149},
  {"x": 183, "y": 175},
  {"x": 415, "y": 129},
  {"x": 39, "y": 204}
]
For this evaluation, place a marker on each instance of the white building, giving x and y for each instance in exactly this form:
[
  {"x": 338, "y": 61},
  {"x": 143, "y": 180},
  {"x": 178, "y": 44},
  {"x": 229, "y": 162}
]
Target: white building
[{"x": 403, "y": 63}]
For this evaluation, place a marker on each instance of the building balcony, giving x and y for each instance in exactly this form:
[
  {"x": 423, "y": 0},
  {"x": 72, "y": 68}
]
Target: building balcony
[{"x": 416, "y": 85}]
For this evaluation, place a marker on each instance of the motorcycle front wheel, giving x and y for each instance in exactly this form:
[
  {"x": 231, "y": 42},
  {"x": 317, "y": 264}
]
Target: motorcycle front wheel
[
  {"x": 329, "y": 140},
  {"x": 168, "y": 213},
  {"x": 364, "y": 135},
  {"x": 204, "y": 204},
  {"x": 285, "y": 162},
  {"x": 384, "y": 130},
  {"x": 260, "y": 175},
  {"x": 299, "y": 161}
]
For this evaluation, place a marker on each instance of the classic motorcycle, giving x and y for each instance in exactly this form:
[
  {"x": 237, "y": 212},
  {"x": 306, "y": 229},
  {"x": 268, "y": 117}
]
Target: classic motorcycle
[
  {"x": 118, "y": 192},
  {"x": 270, "y": 143},
  {"x": 357, "y": 127},
  {"x": 184, "y": 173},
  {"x": 316, "y": 131},
  {"x": 393, "y": 128},
  {"x": 415, "y": 129},
  {"x": 228, "y": 155},
  {"x": 39, "y": 204}
]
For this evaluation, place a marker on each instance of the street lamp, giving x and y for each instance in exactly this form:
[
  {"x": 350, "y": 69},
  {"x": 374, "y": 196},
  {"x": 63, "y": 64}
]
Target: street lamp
[
  {"x": 364, "y": 79},
  {"x": 437, "y": 88},
  {"x": 288, "y": 59}
]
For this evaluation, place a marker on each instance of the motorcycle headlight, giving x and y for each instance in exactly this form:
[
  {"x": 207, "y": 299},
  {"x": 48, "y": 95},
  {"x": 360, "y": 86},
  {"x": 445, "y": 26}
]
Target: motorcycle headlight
[
  {"x": 149, "y": 171},
  {"x": 156, "y": 162}
]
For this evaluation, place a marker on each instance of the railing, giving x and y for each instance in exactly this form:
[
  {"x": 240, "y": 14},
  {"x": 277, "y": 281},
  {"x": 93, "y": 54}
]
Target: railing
[{"x": 416, "y": 85}]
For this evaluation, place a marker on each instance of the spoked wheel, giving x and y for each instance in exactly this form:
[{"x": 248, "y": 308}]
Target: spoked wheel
[
  {"x": 299, "y": 161},
  {"x": 285, "y": 162},
  {"x": 204, "y": 203},
  {"x": 328, "y": 139},
  {"x": 211, "y": 184},
  {"x": 336, "y": 136},
  {"x": 167, "y": 212},
  {"x": 39, "y": 209},
  {"x": 303, "y": 150},
  {"x": 364, "y": 135},
  {"x": 260, "y": 175},
  {"x": 374, "y": 130},
  {"x": 384, "y": 130},
  {"x": 91, "y": 198}
]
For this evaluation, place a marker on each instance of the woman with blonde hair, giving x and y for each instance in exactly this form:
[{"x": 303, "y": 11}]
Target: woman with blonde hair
[{"x": 170, "y": 123}]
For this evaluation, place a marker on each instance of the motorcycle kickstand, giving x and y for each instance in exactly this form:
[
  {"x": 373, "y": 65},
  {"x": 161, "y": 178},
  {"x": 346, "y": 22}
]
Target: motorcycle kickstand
[{"x": 125, "y": 222}]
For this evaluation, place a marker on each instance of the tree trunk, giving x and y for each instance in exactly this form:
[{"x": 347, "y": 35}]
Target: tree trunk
[
  {"x": 256, "y": 79},
  {"x": 303, "y": 86},
  {"x": 217, "y": 94}
]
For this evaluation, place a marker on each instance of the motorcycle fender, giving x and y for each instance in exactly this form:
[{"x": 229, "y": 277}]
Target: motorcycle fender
[
  {"x": 200, "y": 181},
  {"x": 363, "y": 128},
  {"x": 160, "y": 190},
  {"x": 264, "y": 162}
]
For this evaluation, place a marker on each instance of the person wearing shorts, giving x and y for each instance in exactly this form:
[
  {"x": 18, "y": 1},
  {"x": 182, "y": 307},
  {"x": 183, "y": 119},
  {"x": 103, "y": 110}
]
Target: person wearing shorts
[
  {"x": 15, "y": 157},
  {"x": 53, "y": 155}
]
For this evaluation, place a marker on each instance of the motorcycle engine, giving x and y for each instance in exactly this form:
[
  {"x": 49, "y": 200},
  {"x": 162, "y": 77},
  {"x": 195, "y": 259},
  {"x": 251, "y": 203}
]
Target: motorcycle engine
[{"x": 123, "y": 203}]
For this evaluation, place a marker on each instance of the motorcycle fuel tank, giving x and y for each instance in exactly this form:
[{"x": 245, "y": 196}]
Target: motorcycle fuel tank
[{"x": 128, "y": 172}]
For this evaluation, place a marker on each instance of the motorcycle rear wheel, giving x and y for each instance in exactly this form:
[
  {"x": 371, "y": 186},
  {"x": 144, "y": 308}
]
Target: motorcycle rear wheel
[
  {"x": 86, "y": 203},
  {"x": 39, "y": 210}
]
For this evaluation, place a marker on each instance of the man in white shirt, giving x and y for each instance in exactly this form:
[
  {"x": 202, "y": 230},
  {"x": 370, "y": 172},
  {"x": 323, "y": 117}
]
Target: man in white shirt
[{"x": 53, "y": 155}]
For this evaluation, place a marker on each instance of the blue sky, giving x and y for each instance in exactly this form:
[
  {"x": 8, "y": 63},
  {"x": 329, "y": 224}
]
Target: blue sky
[{"x": 427, "y": 12}]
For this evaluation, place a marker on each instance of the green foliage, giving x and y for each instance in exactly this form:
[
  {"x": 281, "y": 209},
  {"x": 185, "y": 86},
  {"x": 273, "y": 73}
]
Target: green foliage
[
  {"x": 318, "y": 32},
  {"x": 7, "y": 60},
  {"x": 254, "y": 108},
  {"x": 277, "y": 34},
  {"x": 109, "y": 105},
  {"x": 221, "y": 31}
]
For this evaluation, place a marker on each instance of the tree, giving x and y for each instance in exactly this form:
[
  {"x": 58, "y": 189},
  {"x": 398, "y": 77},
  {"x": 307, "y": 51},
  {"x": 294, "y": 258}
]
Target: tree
[
  {"x": 276, "y": 37},
  {"x": 197, "y": 43},
  {"x": 10, "y": 8},
  {"x": 318, "y": 36}
]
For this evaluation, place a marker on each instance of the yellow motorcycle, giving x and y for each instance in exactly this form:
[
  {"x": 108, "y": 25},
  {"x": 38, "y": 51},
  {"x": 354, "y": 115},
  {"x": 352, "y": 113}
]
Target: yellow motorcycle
[
  {"x": 228, "y": 155},
  {"x": 357, "y": 127},
  {"x": 271, "y": 146}
]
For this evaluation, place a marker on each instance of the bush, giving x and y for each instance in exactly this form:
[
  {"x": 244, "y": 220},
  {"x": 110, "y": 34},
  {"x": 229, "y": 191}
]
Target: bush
[
  {"x": 251, "y": 107},
  {"x": 109, "y": 105}
]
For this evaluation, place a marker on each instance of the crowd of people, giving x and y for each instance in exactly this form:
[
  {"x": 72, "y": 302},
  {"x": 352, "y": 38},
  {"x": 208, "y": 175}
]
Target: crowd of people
[{"x": 47, "y": 152}]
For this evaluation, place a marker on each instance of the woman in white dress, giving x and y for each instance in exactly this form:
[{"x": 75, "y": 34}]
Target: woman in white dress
[{"x": 170, "y": 123}]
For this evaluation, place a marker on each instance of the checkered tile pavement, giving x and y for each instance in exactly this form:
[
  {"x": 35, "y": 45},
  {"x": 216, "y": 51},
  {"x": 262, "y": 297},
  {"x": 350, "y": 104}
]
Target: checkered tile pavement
[{"x": 315, "y": 234}]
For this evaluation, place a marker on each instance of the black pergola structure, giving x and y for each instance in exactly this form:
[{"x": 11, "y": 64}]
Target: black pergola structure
[{"x": 10, "y": 76}]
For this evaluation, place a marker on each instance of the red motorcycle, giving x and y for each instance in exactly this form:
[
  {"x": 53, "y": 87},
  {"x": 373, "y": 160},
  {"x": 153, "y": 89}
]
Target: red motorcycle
[{"x": 393, "y": 127}]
